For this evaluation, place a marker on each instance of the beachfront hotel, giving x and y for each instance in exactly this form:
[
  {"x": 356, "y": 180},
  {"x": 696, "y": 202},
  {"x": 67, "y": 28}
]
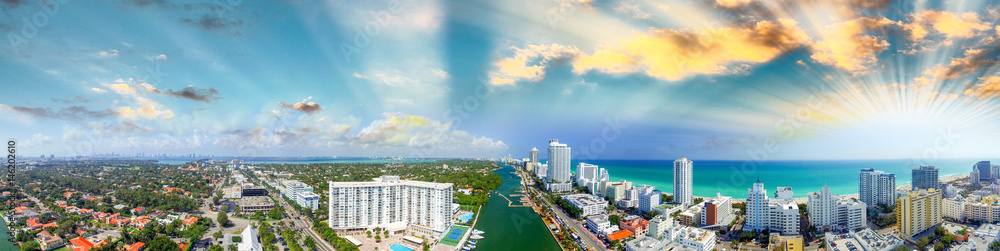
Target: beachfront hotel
[
  {"x": 778, "y": 214},
  {"x": 586, "y": 173},
  {"x": 827, "y": 210},
  {"x": 877, "y": 188},
  {"x": 918, "y": 211},
  {"x": 683, "y": 181},
  {"x": 387, "y": 201},
  {"x": 557, "y": 176}
]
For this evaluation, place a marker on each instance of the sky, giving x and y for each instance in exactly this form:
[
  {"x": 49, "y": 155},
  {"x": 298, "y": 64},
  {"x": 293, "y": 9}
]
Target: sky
[{"x": 706, "y": 79}]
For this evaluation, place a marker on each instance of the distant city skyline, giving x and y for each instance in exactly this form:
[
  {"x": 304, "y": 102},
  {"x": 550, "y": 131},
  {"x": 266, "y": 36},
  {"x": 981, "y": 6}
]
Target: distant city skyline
[{"x": 709, "y": 80}]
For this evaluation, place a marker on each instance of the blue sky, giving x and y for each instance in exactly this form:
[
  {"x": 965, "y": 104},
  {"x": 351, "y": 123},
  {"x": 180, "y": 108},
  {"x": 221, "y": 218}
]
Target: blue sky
[{"x": 723, "y": 79}]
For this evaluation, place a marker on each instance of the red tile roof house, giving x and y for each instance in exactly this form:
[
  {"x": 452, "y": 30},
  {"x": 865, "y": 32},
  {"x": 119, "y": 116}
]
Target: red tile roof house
[
  {"x": 138, "y": 211},
  {"x": 81, "y": 244},
  {"x": 141, "y": 223},
  {"x": 190, "y": 220},
  {"x": 138, "y": 246},
  {"x": 85, "y": 212},
  {"x": 100, "y": 216}
]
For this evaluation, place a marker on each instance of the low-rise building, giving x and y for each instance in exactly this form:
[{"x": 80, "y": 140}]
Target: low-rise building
[
  {"x": 658, "y": 225},
  {"x": 864, "y": 240},
  {"x": 600, "y": 226},
  {"x": 636, "y": 224},
  {"x": 675, "y": 238},
  {"x": 981, "y": 239},
  {"x": 252, "y": 204},
  {"x": 588, "y": 204}
]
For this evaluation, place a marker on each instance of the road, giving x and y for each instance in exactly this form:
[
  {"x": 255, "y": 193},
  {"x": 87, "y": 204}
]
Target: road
[
  {"x": 592, "y": 242},
  {"x": 213, "y": 215},
  {"x": 299, "y": 221}
]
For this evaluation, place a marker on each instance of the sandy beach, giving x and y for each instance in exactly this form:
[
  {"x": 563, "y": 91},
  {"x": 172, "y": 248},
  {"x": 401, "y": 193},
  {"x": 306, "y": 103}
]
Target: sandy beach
[{"x": 804, "y": 200}]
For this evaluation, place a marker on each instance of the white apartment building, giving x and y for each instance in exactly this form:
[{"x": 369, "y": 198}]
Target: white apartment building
[
  {"x": 586, "y": 173},
  {"x": 600, "y": 225},
  {"x": 877, "y": 187},
  {"x": 683, "y": 181},
  {"x": 780, "y": 215},
  {"x": 827, "y": 210},
  {"x": 298, "y": 192},
  {"x": 541, "y": 171},
  {"x": 649, "y": 198},
  {"x": 953, "y": 208},
  {"x": 559, "y": 161},
  {"x": 852, "y": 213},
  {"x": 950, "y": 191},
  {"x": 718, "y": 210},
  {"x": 588, "y": 204},
  {"x": 388, "y": 201}
]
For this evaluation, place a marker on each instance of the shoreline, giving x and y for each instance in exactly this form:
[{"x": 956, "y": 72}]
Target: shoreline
[{"x": 804, "y": 200}]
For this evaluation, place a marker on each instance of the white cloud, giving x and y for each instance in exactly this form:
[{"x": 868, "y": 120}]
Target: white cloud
[
  {"x": 37, "y": 140},
  {"x": 109, "y": 53},
  {"x": 632, "y": 10}
]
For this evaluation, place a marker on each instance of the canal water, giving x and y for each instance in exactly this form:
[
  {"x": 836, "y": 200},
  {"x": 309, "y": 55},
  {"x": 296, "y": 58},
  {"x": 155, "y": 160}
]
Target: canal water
[
  {"x": 6, "y": 245},
  {"x": 511, "y": 228}
]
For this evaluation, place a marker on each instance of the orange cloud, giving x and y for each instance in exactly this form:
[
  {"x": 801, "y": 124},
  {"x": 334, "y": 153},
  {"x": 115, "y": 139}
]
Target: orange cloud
[
  {"x": 732, "y": 3},
  {"x": 675, "y": 54},
  {"x": 959, "y": 67},
  {"x": 988, "y": 88},
  {"x": 847, "y": 45},
  {"x": 529, "y": 63},
  {"x": 949, "y": 24}
]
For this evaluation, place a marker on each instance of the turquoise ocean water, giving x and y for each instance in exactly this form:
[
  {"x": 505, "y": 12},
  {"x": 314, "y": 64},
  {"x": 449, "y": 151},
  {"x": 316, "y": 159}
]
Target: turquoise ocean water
[{"x": 733, "y": 178}]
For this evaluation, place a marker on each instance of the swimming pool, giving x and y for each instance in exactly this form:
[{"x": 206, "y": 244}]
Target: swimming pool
[
  {"x": 397, "y": 247},
  {"x": 466, "y": 218}
]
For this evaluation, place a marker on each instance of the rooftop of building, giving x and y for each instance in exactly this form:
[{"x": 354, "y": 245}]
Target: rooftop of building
[
  {"x": 256, "y": 201},
  {"x": 390, "y": 180},
  {"x": 584, "y": 199}
]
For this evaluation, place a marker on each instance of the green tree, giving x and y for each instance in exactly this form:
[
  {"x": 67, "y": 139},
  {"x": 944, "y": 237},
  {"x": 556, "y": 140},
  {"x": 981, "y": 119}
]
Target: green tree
[
  {"x": 161, "y": 242},
  {"x": 995, "y": 246},
  {"x": 614, "y": 219},
  {"x": 275, "y": 213},
  {"x": 223, "y": 219},
  {"x": 215, "y": 248},
  {"x": 30, "y": 246}
]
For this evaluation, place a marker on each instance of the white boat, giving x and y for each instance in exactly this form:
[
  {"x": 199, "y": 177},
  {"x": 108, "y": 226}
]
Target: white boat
[
  {"x": 476, "y": 237},
  {"x": 477, "y": 231},
  {"x": 472, "y": 242},
  {"x": 470, "y": 246}
]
